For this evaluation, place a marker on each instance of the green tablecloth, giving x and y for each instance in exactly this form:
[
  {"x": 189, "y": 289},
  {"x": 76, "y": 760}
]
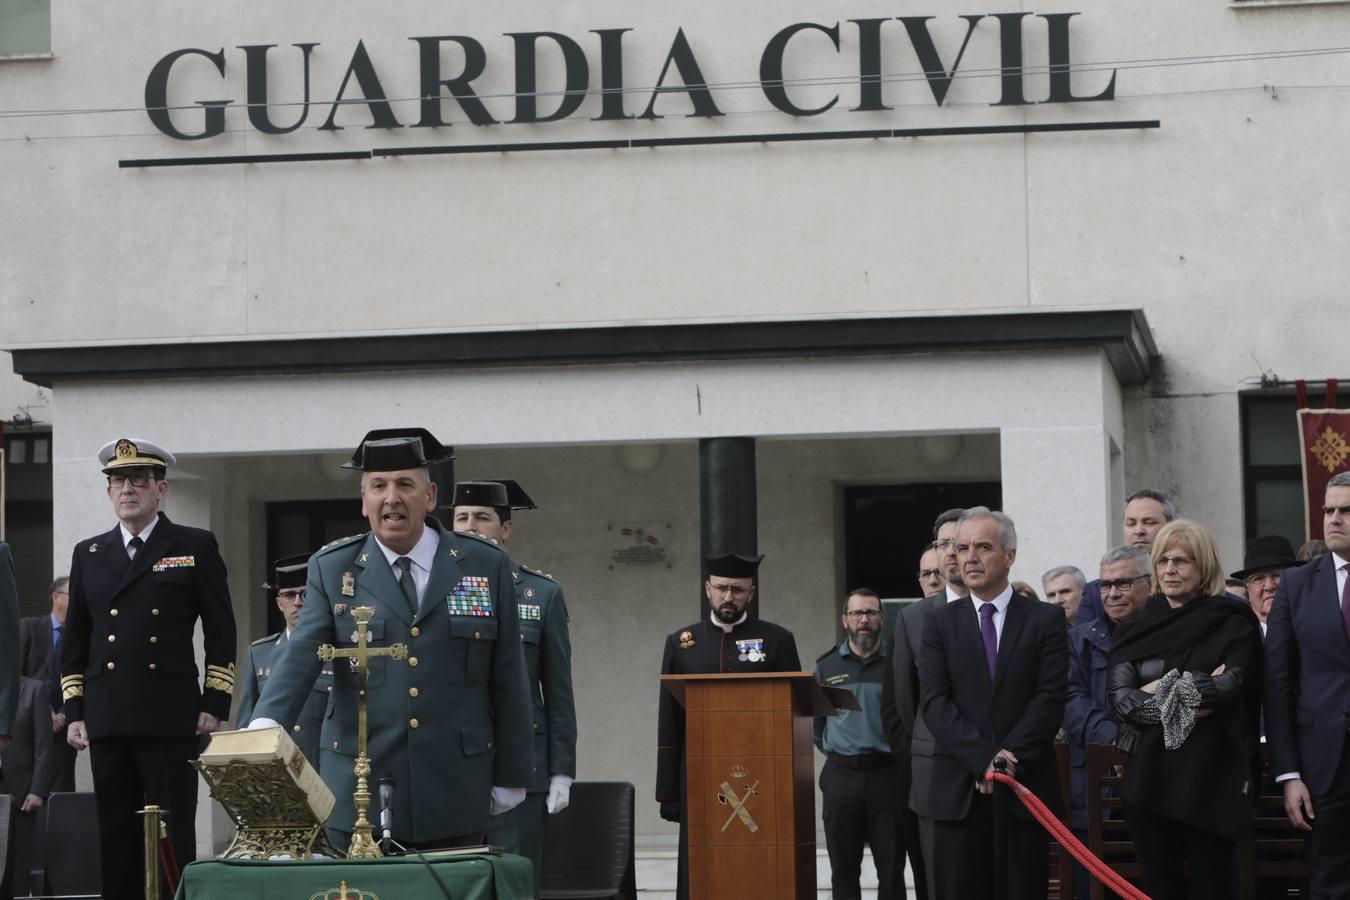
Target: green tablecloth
[{"x": 471, "y": 877}]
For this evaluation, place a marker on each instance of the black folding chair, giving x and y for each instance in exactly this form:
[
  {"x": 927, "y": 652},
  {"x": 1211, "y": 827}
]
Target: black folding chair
[
  {"x": 71, "y": 862},
  {"x": 588, "y": 847}
]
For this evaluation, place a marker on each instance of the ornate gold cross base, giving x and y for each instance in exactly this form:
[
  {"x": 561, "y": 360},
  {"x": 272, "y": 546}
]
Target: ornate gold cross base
[{"x": 363, "y": 844}]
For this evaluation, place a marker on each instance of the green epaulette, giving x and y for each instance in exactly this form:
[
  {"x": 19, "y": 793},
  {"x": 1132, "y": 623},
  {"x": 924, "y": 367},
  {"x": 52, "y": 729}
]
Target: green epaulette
[
  {"x": 482, "y": 540},
  {"x": 265, "y": 640},
  {"x": 525, "y": 568},
  {"x": 340, "y": 542}
]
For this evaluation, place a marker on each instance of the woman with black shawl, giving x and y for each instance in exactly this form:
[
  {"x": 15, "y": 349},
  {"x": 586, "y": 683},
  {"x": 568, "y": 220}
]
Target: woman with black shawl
[{"x": 1185, "y": 682}]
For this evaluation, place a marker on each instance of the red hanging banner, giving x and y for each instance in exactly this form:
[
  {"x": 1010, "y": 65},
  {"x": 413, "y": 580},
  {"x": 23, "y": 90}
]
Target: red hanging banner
[{"x": 1324, "y": 440}]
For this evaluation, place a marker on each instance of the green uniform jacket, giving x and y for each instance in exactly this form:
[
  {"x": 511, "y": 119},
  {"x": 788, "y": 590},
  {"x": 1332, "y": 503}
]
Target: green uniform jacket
[
  {"x": 447, "y": 723},
  {"x": 548, "y": 661},
  {"x": 257, "y": 669}
]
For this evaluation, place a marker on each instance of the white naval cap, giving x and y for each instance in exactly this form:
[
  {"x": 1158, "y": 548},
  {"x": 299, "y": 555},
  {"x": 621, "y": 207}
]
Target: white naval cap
[{"x": 124, "y": 453}]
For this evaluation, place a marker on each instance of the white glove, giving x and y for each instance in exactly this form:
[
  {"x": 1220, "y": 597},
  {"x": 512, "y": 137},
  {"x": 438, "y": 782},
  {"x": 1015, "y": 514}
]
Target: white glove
[
  {"x": 559, "y": 793},
  {"x": 255, "y": 724},
  {"x": 505, "y": 799}
]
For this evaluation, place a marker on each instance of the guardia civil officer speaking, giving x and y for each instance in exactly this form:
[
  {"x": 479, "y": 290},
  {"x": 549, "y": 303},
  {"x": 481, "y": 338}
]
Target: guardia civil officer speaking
[{"x": 451, "y": 723}]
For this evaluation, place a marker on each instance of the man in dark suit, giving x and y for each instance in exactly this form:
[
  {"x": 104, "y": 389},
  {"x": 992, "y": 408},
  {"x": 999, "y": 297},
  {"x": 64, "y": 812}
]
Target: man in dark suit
[
  {"x": 9, "y": 644},
  {"x": 993, "y": 676},
  {"x": 909, "y": 735},
  {"x": 1308, "y": 696},
  {"x": 451, "y": 723},
  {"x": 40, "y": 642},
  {"x": 129, "y": 676},
  {"x": 24, "y": 768}
]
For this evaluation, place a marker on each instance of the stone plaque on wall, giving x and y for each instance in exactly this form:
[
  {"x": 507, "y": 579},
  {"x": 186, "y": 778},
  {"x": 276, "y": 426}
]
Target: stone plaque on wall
[{"x": 639, "y": 545}]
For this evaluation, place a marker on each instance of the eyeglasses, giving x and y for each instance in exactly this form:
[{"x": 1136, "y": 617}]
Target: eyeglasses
[
  {"x": 929, "y": 573},
  {"x": 298, "y": 594},
  {"x": 944, "y": 544},
  {"x": 1120, "y": 584},
  {"x": 137, "y": 479},
  {"x": 729, "y": 589},
  {"x": 863, "y": 613},
  {"x": 1263, "y": 578},
  {"x": 1180, "y": 562}
]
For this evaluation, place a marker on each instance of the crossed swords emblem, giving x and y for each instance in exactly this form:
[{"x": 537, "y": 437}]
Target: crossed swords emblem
[{"x": 727, "y": 797}]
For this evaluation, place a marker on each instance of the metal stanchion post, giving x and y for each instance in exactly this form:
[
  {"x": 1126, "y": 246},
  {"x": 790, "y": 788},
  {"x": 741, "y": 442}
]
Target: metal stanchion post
[
  {"x": 1000, "y": 798},
  {"x": 151, "y": 814}
]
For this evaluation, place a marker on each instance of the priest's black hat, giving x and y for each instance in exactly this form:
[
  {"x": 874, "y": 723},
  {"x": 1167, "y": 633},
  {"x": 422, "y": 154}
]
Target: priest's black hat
[{"x": 733, "y": 565}]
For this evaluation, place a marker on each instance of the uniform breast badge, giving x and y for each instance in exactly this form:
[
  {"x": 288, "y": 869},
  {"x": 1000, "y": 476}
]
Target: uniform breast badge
[
  {"x": 686, "y": 640},
  {"x": 751, "y": 650},
  {"x": 174, "y": 562},
  {"x": 348, "y": 585},
  {"x": 530, "y": 612},
  {"x": 472, "y": 596}
]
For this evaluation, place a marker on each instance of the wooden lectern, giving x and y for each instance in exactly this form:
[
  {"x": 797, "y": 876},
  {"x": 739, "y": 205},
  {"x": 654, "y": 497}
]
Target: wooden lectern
[{"x": 750, "y": 800}]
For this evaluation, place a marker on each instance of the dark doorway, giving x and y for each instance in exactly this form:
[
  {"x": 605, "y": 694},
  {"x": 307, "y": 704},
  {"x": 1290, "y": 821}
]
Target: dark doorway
[
  {"x": 887, "y": 527},
  {"x": 303, "y": 526}
]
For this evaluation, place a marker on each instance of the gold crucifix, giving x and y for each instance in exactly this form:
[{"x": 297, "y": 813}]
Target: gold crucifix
[{"x": 363, "y": 844}]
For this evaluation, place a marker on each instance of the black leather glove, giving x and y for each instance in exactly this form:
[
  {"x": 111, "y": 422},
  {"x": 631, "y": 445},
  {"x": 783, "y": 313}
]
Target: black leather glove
[{"x": 670, "y": 810}]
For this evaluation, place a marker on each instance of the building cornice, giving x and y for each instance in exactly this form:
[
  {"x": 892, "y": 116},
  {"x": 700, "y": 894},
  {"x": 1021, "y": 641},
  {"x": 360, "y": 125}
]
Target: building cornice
[{"x": 1123, "y": 334}]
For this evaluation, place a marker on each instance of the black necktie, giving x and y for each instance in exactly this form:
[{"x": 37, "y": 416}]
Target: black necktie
[{"x": 133, "y": 546}]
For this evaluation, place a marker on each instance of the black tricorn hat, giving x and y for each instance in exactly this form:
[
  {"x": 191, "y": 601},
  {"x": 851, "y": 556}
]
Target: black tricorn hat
[
  {"x": 288, "y": 572},
  {"x": 733, "y": 565},
  {"x": 498, "y": 493},
  {"x": 395, "y": 449},
  {"x": 1267, "y": 552}
]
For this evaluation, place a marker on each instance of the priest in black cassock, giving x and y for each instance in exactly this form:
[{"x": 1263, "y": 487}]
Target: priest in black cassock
[{"x": 729, "y": 639}]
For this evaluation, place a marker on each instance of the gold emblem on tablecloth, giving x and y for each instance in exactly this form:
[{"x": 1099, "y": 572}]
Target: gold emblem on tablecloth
[
  {"x": 727, "y": 797},
  {"x": 342, "y": 892}
]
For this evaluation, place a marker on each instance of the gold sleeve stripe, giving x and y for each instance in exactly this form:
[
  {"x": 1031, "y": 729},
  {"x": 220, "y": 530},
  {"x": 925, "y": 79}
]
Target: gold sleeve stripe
[
  {"x": 72, "y": 687},
  {"x": 222, "y": 673},
  {"x": 225, "y": 687}
]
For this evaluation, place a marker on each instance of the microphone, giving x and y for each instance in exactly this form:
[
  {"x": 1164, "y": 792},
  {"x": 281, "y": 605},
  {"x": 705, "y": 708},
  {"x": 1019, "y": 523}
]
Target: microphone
[{"x": 386, "y": 810}]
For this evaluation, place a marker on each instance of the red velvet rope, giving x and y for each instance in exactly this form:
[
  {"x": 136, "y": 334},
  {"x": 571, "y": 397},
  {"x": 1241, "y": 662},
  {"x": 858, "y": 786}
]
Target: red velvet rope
[
  {"x": 169, "y": 863},
  {"x": 1060, "y": 832}
]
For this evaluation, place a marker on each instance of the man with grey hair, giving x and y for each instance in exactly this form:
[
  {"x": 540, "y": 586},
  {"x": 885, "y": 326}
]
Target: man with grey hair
[
  {"x": 1146, "y": 512},
  {"x": 1064, "y": 587},
  {"x": 1125, "y": 583},
  {"x": 911, "y": 741},
  {"x": 1006, "y": 702},
  {"x": 1307, "y": 689}
]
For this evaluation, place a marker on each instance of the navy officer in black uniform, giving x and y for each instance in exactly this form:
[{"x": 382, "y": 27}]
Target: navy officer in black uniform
[
  {"x": 859, "y": 784},
  {"x": 729, "y": 639},
  {"x": 288, "y": 581},
  {"x": 129, "y": 675}
]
